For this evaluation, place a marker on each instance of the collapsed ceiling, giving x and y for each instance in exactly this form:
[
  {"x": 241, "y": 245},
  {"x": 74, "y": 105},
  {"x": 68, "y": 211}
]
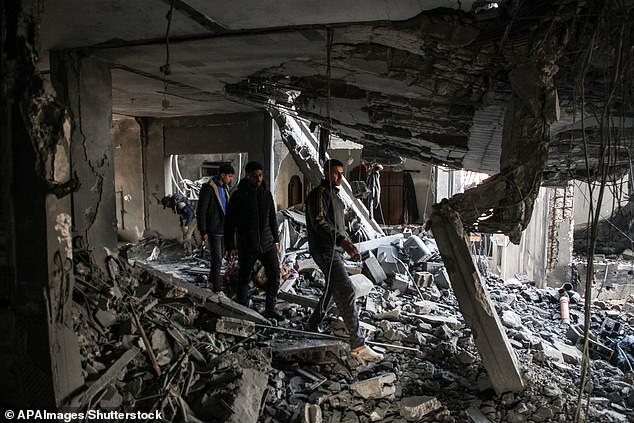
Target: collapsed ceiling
[{"x": 427, "y": 80}]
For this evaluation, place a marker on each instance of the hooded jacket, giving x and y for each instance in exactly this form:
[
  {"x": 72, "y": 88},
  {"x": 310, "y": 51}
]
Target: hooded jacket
[
  {"x": 210, "y": 215},
  {"x": 325, "y": 217},
  {"x": 251, "y": 213}
]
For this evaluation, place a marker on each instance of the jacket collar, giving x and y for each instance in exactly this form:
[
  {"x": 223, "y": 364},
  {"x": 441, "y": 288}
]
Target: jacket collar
[{"x": 326, "y": 184}]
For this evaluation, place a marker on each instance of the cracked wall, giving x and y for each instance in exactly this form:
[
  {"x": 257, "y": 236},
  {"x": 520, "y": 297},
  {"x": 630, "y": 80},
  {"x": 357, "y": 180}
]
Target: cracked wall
[{"x": 84, "y": 86}]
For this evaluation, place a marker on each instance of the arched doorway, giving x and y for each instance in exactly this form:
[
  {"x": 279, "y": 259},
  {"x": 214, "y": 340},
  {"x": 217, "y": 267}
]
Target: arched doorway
[{"x": 295, "y": 191}]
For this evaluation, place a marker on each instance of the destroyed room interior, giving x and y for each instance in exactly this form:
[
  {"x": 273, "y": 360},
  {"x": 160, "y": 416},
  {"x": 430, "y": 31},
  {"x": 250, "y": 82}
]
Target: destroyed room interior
[{"x": 317, "y": 211}]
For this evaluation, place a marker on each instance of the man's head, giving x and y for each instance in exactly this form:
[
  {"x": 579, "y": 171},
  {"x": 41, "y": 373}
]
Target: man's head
[
  {"x": 333, "y": 170},
  {"x": 254, "y": 172},
  {"x": 225, "y": 173},
  {"x": 168, "y": 201}
]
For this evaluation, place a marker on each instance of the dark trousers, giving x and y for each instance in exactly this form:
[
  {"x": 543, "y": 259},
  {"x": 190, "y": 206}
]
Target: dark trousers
[
  {"x": 338, "y": 288},
  {"x": 215, "y": 245},
  {"x": 272, "y": 269}
]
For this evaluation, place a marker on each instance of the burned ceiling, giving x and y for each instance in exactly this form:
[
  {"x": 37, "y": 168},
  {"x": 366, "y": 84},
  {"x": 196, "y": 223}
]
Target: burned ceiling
[{"x": 424, "y": 80}]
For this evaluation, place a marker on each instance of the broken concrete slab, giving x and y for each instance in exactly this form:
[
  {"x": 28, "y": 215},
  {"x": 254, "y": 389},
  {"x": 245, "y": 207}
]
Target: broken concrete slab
[
  {"x": 373, "y": 244},
  {"x": 441, "y": 279},
  {"x": 108, "y": 377},
  {"x": 303, "y": 265},
  {"x": 416, "y": 249},
  {"x": 571, "y": 354},
  {"x": 423, "y": 279},
  {"x": 235, "y": 327},
  {"x": 438, "y": 320},
  {"x": 298, "y": 299},
  {"x": 511, "y": 319},
  {"x": 387, "y": 255},
  {"x": 550, "y": 353},
  {"x": 400, "y": 282},
  {"x": 307, "y": 350},
  {"x": 425, "y": 307},
  {"x": 376, "y": 387},
  {"x": 215, "y": 303},
  {"x": 373, "y": 270},
  {"x": 361, "y": 284},
  {"x": 237, "y": 396},
  {"x": 415, "y": 408},
  {"x": 476, "y": 415},
  {"x": 106, "y": 318}
]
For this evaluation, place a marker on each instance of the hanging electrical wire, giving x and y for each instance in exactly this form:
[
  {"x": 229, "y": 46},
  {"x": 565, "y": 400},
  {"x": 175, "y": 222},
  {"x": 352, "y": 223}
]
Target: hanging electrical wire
[{"x": 165, "y": 69}]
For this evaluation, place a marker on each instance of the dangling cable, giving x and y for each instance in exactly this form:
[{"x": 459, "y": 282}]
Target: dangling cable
[{"x": 165, "y": 69}]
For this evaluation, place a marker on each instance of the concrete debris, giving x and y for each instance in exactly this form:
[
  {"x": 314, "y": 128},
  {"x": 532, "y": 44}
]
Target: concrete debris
[
  {"x": 373, "y": 270},
  {"x": 214, "y": 361},
  {"x": 415, "y": 408},
  {"x": 235, "y": 327},
  {"x": 362, "y": 285},
  {"x": 376, "y": 388}
]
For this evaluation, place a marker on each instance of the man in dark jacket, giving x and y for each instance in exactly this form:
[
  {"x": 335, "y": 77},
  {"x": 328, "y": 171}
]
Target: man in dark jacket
[
  {"x": 210, "y": 214},
  {"x": 251, "y": 212},
  {"x": 326, "y": 238},
  {"x": 180, "y": 204}
]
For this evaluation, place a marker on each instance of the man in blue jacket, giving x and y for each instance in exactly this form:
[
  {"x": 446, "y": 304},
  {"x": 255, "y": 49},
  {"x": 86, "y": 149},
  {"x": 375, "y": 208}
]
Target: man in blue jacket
[
  {"x": 210, "y": 214},
  {"x": 251, "y": 214},
  {"x": 181, "y": 206}
]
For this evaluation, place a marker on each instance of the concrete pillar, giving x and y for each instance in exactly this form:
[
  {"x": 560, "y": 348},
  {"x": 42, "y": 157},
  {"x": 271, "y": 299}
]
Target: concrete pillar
[
  {"x": 84, "y": 86},
  {"x": 126, "y": 137},
  {"x": 40, "y": 365}
]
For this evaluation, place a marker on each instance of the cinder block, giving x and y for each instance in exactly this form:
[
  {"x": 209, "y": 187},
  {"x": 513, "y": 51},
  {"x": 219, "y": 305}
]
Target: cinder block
[{"x": 373, "y": 270}]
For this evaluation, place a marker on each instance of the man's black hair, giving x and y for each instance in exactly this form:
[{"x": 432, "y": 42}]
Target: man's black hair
[
  {"x": 330, "y": 164},
  {"x": 253, "y": 166},
  {"x": 226, "y": 168}
]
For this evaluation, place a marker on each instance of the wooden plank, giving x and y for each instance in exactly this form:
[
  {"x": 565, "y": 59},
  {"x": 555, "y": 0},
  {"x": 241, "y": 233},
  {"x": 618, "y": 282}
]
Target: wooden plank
[{"x": 497, "y": 354}]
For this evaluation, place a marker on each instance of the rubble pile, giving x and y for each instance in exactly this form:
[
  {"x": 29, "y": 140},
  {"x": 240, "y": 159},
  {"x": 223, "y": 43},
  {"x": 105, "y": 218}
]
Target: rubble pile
[{"x": 155, "y": 340}]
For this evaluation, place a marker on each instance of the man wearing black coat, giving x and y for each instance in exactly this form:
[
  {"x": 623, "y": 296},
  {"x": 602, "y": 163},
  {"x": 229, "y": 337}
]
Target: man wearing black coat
[
  {"x": 251, "y": 213},
  {"x": 210, "y": 215}
]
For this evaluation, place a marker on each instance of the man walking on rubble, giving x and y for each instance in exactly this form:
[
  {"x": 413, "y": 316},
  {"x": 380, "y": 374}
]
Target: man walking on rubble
[
  {"x": 326, "y": 238},
  {"x": 180, "y": 205},
  {"x": 251, "y": 213},
  {"x": 210, "y": 214}
]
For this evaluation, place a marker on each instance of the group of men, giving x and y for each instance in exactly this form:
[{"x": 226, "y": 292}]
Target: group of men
[{"x": 245, "y": 223}]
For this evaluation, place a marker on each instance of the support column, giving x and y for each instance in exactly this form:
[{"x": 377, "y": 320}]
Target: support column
[
  {"x": 475, "y": 304},
  {"x": 84, "y": 86},
  {"x": 40, "y": 365}
]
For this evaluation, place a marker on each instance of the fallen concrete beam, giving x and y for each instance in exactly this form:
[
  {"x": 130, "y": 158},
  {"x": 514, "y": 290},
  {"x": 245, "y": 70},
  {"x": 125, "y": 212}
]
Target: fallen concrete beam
[
  {"x": 298, "y": 299},
  {"x": 83, "y": 399},
  {"x": 307, "y": 350},
  {"x": 490, "y": 338},
  {"x": 218, "y": 304},
  {"x": 302, "y": 146}
]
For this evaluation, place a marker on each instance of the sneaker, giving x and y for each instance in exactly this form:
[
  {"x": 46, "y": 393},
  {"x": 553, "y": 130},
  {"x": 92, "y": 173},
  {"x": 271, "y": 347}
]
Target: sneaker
[
  {"x": 274, "y": 314},
  {"x": 366, "y": 353}
]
